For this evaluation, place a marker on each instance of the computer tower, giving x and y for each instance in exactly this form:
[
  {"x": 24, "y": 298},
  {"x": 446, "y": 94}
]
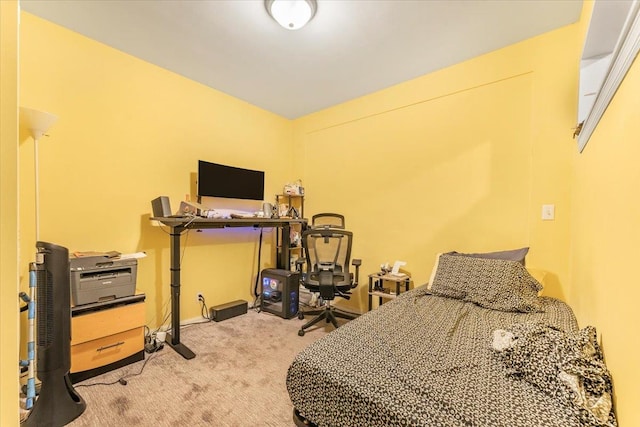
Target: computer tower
[{"x": 280, "y": 292}]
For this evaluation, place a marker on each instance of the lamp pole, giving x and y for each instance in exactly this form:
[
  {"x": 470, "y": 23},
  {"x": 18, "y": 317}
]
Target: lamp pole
[{"x": 37, "y": 123}]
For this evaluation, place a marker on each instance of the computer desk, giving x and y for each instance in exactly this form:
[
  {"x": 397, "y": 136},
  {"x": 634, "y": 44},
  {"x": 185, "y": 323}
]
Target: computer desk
[{"x": 180, "y": 225}]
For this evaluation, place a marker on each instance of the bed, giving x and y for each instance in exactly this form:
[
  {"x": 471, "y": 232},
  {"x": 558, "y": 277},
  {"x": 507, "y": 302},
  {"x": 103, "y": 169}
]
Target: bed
[{"x": 476, "y": 346}]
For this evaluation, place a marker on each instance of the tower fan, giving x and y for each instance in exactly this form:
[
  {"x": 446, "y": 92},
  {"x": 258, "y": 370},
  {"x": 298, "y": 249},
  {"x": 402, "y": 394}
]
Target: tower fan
[{"x": 58, "y": 403}]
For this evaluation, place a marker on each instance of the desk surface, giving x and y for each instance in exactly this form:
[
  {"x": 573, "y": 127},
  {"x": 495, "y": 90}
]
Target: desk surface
[{"x": 197, "y": 222}]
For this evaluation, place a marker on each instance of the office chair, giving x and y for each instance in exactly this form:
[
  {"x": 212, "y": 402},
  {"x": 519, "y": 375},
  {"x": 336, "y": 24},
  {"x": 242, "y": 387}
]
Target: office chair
[
  {"x": 327, "y": 254},
  {"x": 321, "y": 220},
  {"x": 327, "y": 220}
]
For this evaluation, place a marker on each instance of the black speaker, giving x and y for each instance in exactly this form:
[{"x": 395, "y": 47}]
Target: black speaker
[
  {"x": 161, "y": 207},
  {"x": 58, "y": 403},
  {"x": 280, "y": 292},
  {"x": 227, "y": 311}
]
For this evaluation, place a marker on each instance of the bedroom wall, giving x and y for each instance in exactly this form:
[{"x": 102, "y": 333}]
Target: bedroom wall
[
  {"x": 9, "y": 213},
  {"x": 605, "y": 229},
  {"x": 127, "y": 132},
  {"x": 459, "y": 159}
]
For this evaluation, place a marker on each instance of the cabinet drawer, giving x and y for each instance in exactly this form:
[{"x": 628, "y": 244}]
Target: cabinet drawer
[
  {"x": 98, "y": 324},
  {"x": 102, "y": 351}
]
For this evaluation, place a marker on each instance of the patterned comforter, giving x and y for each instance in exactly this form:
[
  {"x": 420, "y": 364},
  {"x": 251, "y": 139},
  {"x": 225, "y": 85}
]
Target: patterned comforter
[{"x": 424, "y": 360}]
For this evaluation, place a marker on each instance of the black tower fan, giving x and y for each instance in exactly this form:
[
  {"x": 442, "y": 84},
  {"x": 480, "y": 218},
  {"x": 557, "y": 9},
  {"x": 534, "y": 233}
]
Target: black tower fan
[{"x": 58, "y": 403}]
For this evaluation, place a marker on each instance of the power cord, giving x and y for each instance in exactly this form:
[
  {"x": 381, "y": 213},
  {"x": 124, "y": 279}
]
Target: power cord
[
  {"x": 255, "y": 287},
  {"x": 257, "y": 304},
  {"x": 122, "y": 380},
  {"x": 204, "y": 310},
  {"x": 152, "y": 345},
  {"x": 257, "y": 301}
]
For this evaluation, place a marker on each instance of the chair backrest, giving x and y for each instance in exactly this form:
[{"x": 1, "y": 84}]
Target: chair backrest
[
  {"x": 328, "y": 253},
  {"x": 327, "y": 220}
]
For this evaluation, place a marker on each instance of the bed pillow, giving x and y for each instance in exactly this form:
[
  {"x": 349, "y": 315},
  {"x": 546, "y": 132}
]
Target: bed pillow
[
  {"x": 510, "y": 255},
  {"x": 491, "y": 283},
  {"x": 433, "y": 271},
  {"x": 542, "y": 276}
]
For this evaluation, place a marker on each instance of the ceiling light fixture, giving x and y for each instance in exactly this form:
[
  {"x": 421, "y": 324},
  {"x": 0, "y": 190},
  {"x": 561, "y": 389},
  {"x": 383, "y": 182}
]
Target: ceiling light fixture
[{"x": 291, "y": 14}]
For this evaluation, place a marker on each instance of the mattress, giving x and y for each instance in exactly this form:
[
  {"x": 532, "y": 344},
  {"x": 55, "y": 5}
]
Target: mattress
[{"x": 424, "y": 360}]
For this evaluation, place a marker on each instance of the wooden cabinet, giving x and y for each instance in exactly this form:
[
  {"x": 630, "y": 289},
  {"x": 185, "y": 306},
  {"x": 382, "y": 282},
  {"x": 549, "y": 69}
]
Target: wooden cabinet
[{"x": 106, "y": 336}]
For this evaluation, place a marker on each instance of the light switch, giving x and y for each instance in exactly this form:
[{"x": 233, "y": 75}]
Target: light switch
[{"x": 548, "y": 212}]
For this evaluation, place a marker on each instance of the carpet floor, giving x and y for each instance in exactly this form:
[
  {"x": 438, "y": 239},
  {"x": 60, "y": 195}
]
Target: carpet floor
[{"x": 236, "y": 379}]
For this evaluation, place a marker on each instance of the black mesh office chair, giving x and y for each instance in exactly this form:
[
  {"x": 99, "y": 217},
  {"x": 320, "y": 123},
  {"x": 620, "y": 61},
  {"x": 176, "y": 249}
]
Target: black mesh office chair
[{"x": 327, "y": 255}]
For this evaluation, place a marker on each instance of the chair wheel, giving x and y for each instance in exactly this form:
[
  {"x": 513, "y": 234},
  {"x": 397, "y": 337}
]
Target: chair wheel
[
  {"x": 300, "y": 315},
  {"x": 301, "y": 332}
]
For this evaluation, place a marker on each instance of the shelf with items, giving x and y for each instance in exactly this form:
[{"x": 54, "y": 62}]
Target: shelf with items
[
  {"x": 378, "y": 289},
  {"x": 290, "y": 206}
]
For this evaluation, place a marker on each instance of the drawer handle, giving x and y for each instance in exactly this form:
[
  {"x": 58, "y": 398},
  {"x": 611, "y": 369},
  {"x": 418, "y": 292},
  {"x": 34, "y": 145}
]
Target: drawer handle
[{"x": 110, "y": 346}]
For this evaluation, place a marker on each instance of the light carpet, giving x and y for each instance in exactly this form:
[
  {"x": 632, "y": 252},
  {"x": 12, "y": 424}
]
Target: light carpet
[{"x": 236, "y": 379}]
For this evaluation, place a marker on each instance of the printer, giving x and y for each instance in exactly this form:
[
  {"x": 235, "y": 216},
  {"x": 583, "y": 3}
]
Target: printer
[{"x": 100, "y": 278}]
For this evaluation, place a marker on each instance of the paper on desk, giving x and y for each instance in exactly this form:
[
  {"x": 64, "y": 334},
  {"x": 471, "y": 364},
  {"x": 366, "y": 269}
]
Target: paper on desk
[
  {"x": 135, "y": 255},
  {"x": 398, "y": 275}
]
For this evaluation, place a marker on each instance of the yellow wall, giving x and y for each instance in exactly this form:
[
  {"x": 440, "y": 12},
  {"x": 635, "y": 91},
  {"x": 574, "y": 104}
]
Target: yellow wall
[
  {"x": 605, "y": 230},
  {"x": 9, "y": 13},
  {"x": 127, "y": 132},
  {"x": 460, "y": 159}
]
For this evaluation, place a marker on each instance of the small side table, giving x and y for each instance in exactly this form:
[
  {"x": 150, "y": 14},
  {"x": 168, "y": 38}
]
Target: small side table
[{"x": 376, "y": 286}]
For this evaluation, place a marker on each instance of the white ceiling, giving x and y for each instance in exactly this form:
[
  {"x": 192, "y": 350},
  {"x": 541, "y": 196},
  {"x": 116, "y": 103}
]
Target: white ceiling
[{"x": 350, "y": 48}]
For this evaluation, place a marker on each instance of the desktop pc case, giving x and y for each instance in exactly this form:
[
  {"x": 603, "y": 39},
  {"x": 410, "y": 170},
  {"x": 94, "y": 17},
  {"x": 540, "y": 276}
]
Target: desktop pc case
[{"x": 280, "y": 292}]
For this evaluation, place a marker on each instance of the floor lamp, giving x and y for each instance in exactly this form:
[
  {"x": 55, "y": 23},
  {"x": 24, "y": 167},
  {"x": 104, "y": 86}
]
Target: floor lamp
[
  {"x": 37, "y": 123},
  {"x": 57, "y": 403}
]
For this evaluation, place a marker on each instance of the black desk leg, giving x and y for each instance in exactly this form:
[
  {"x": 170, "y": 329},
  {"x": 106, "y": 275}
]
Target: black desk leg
[{"x": 173, "y": 339}]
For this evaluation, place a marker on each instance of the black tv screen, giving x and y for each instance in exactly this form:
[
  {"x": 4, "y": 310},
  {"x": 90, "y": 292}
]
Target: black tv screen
[{"x": 215, "y": 180}]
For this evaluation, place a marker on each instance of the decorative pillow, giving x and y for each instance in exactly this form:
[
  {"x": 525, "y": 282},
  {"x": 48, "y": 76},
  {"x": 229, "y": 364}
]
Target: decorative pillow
[
  {"x": 491, "y": 283},
  {"x": 434, "y": 270},
  {"x": 542, "y": 276},
  {"x": 511, "y": 255},
  {"x": 568, "y": 366}
]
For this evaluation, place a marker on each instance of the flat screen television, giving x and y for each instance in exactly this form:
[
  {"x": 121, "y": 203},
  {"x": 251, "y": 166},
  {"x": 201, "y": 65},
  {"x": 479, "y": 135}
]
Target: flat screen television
[{"x": 215, "y": 180}]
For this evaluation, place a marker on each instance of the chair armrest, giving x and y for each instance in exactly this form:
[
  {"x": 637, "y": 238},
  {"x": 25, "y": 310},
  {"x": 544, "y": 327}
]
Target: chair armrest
[{"x": 357, "y": 263}]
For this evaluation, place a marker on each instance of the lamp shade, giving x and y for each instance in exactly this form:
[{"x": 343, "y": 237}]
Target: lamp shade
[
  {"x": 291, "y": 14},
  {"x": 36, "y": 122}
]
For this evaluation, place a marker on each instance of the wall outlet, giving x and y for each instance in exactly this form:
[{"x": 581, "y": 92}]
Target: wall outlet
[
  {"x": 548, "y": 212},
  {"x": 199, "y": 297}
]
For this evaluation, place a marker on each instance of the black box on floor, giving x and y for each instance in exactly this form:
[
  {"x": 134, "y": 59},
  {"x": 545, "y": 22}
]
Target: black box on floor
[
  {"x": 280, "y": 292},
  {"x": 226, "y": 311}
]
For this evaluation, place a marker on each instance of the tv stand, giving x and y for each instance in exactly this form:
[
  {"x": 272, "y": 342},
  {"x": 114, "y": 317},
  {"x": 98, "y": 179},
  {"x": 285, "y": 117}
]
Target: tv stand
[{"x": 180, "y": 225}]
